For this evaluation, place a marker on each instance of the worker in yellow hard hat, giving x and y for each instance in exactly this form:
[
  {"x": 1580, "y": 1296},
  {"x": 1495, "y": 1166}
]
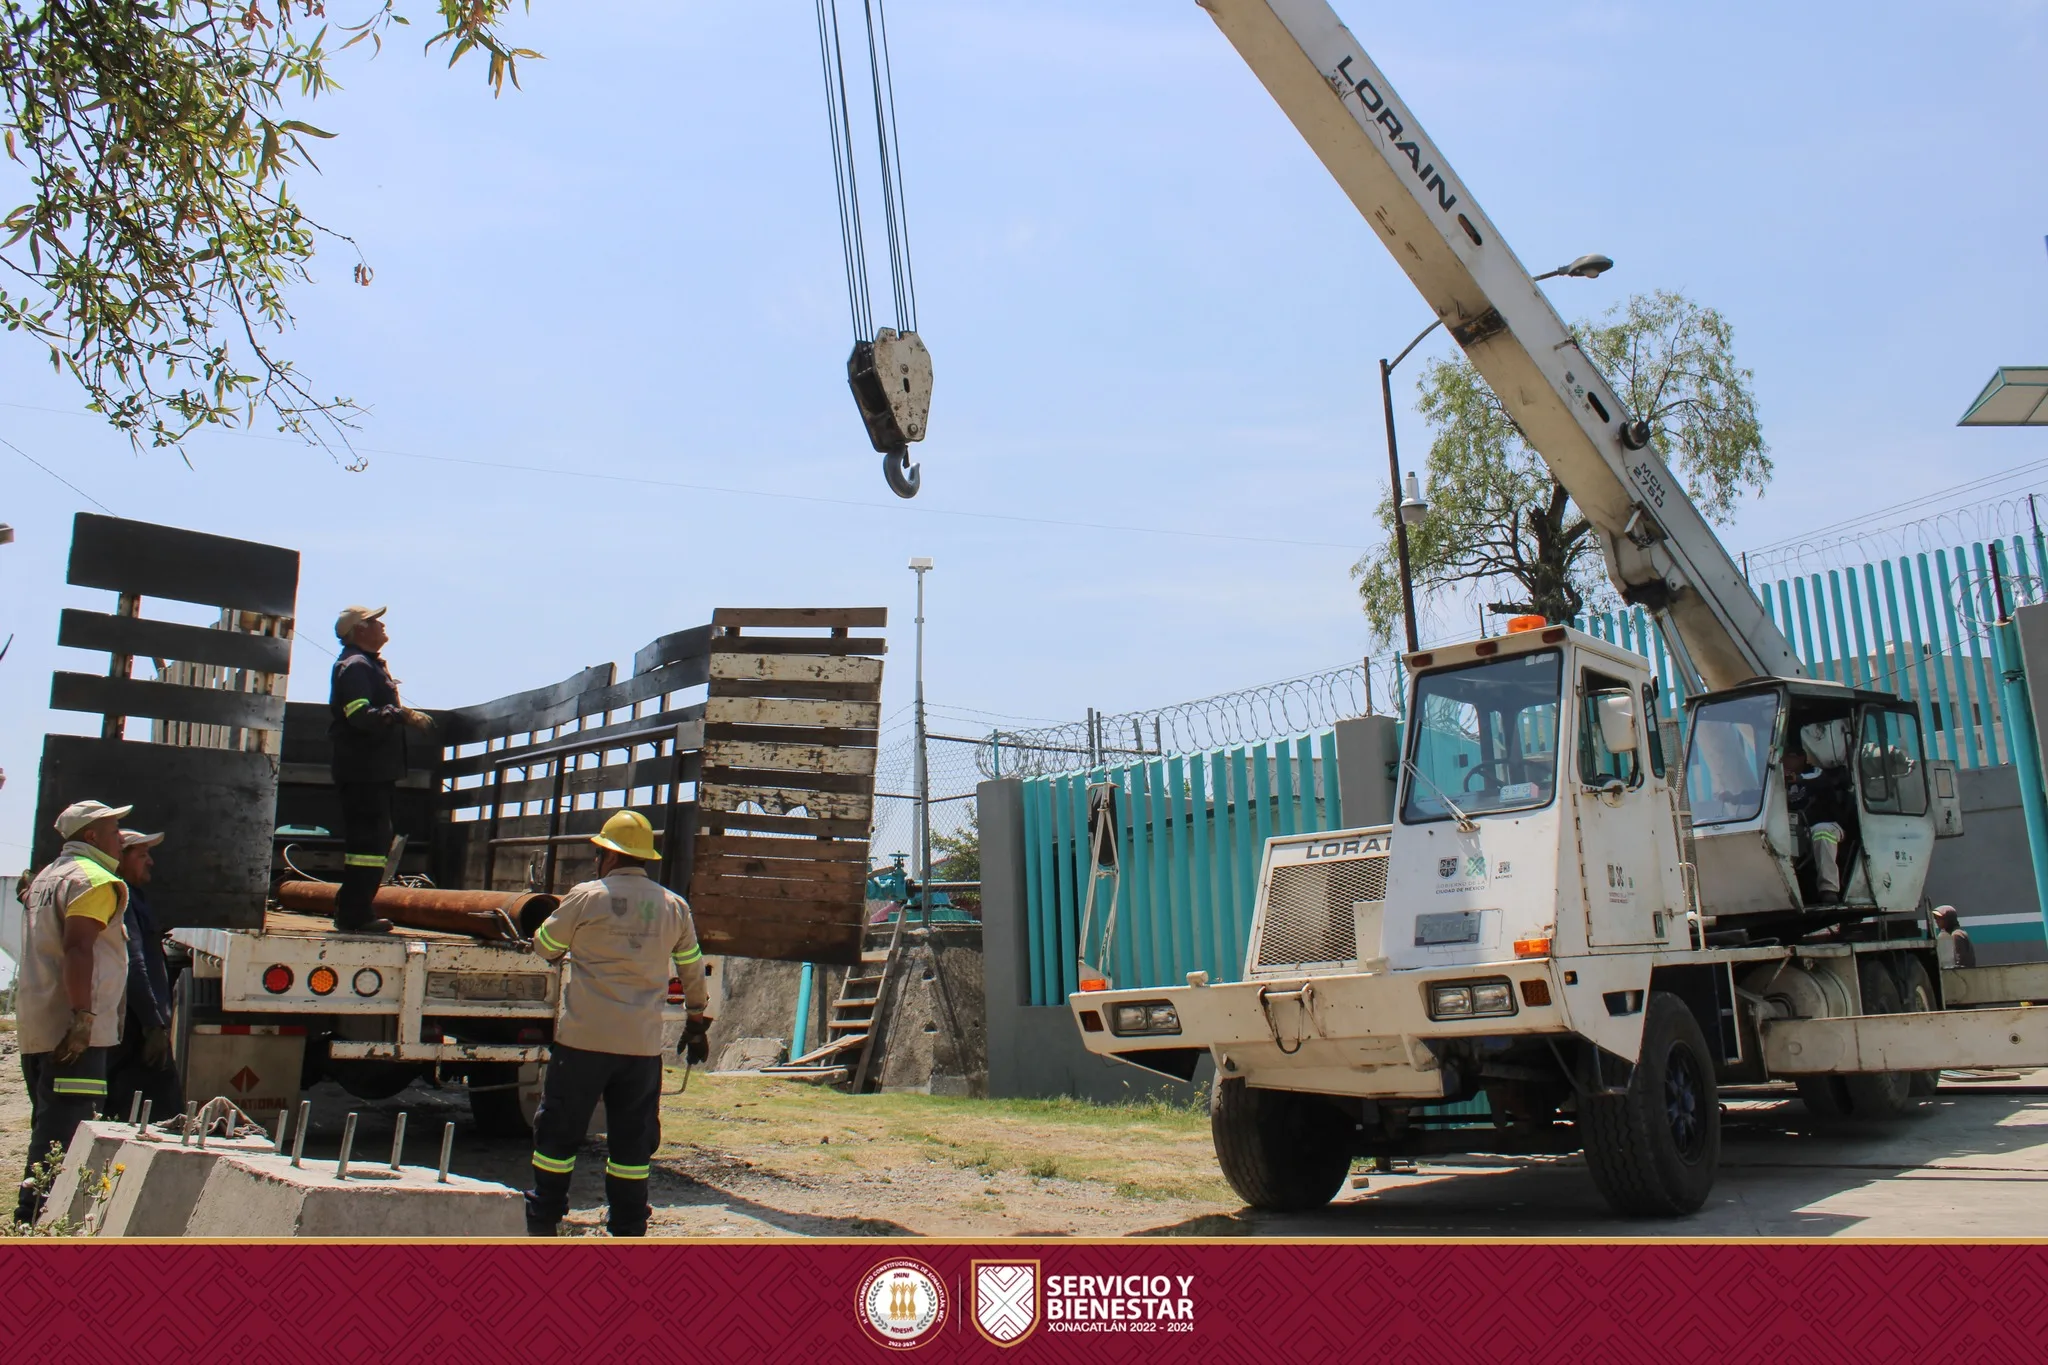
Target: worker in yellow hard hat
[{"x": 624, "y": 934}]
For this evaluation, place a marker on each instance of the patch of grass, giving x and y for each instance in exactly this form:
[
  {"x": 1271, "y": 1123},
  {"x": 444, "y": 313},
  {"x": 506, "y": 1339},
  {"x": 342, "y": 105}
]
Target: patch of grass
[{"x": 1154, "y": 1149}]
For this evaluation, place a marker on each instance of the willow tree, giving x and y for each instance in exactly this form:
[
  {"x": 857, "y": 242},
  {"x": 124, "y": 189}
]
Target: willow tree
[
  {"x": 151, "y": 145},
  {"x": 1497, "y": 518}
]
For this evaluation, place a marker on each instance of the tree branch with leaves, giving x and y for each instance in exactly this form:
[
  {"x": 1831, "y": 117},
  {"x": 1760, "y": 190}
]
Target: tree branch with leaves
[
  {"x": 157, "y": 237},
  {"x": 1498, "y": 520}
]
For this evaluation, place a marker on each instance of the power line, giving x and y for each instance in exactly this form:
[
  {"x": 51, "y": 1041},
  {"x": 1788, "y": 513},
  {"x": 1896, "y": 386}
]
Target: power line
[
  {"x": 1012, "y": 517},
  {"x": 54, "y": 474},
  {"x": 2033, "y": 467}
]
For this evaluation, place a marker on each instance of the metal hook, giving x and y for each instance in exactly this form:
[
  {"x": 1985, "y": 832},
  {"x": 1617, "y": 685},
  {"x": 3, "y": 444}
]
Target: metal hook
[{"x": 903, "y": 476}]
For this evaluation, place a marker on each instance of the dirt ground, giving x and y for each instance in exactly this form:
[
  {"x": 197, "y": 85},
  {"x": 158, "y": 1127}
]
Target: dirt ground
[
  {"x": 745, "y": 1156},
  {"x": 751, "y": 1157}
]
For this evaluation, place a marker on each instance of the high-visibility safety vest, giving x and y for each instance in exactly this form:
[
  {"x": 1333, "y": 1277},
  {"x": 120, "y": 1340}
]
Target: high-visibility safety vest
[{"x": 43, "y": 1011}]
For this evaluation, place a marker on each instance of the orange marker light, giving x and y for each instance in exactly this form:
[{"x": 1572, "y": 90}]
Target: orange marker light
[
  {"x": 322, "y": 981},
  {"x": 1094, "y": 983},
  {"x": 1536, "y": 992},
  {"x": 1532, "y": 947},
  {"x": 1518, "y": 624}
]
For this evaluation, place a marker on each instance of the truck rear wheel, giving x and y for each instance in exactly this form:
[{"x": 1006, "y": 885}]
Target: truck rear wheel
[
  {"x": 1281, "y": 1151},
  {"x": 1654, "y": 1149},
  {"x": 1867, "y": 1096},
  {"x": 501, "y": 1099}
]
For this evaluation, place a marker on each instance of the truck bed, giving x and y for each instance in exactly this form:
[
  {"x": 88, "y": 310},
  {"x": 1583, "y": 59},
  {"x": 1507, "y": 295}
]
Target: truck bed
[{"x": 277, "y": 921}]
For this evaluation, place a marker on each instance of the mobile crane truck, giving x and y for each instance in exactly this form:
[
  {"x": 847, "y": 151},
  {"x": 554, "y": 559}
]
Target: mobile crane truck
[{"x": 1538, "y": 925}]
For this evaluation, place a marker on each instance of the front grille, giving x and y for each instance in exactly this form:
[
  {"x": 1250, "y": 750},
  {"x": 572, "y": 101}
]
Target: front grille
[{"x": 1309, "y": 916}]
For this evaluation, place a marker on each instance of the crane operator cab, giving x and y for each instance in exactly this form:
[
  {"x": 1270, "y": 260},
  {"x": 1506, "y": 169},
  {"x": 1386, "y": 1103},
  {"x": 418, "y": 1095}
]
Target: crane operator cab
[{"x": 1811, "y": 802}]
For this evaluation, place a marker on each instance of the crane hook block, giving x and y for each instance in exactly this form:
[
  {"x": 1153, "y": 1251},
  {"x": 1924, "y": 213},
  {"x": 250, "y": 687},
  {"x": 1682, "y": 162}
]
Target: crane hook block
[{"x": 891, "y": 379}]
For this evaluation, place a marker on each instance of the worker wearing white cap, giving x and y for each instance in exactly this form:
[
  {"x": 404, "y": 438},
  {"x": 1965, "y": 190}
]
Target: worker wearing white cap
[
  {"x": 366, "y": 726},
  {"x": 74, "y": 976}
]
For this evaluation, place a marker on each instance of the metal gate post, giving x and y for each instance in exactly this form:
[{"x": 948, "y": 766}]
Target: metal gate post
[{"x": 2021, "y": 739}]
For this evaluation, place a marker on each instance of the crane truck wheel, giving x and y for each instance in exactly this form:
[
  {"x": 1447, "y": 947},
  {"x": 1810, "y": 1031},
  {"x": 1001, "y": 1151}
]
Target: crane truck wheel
[
  {"x": 1282, "y": 1152},
  {"x": 1654, "y": 1149},
  {"x": 1916, "y": 989},
  {"x": 1869, "y": 1096}
]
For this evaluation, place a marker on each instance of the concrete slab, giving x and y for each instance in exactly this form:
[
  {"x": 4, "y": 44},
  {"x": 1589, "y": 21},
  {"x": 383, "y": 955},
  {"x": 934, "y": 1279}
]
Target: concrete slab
[
  {"x": 267, "y": 1197},
  {"x": 1975, "y": 1164}
]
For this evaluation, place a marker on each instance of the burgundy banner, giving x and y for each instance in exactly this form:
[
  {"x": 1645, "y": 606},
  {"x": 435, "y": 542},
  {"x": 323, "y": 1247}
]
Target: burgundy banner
[{"x": 594, "y": 1300}]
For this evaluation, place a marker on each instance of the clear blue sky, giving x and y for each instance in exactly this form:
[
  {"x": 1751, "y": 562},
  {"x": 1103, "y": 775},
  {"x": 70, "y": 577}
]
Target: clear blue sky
[{"x": 1147, "y": 303}]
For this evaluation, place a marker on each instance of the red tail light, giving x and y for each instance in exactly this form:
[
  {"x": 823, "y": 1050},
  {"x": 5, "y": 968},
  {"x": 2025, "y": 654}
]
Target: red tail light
[{"x": 277, "y": 978}]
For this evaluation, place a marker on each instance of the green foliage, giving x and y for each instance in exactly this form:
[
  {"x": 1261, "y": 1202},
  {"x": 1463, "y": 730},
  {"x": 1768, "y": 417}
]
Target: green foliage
[
  {"x": 154, "y": 141},
  {"x": 956, "y": 857},
  {"x": 42, "y": 1176},
  {"x": 1499, "y": 520}
]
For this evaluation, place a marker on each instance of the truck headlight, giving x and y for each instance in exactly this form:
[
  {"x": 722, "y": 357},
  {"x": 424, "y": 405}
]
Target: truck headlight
[
  {"x": 1471, "y": 999},
  {"x": 1144, "y": 1017},
  {"x": 1450, "y": 1002}
]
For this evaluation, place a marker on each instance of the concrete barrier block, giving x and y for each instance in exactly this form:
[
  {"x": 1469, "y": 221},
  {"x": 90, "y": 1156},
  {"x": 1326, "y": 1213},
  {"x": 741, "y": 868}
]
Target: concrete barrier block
[
  {"x": 265, "y": 1196},
  {"x": 162, "y": 1182},
  {"x": 94, "y": 1151}
]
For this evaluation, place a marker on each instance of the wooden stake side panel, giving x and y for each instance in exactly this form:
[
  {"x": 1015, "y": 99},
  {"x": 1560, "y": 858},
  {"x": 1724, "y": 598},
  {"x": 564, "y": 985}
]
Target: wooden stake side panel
[{"x": 786, "y": 796}]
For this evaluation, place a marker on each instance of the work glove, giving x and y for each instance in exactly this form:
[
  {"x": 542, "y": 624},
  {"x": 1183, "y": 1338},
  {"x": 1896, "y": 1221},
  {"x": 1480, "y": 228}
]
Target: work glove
[
  {"x": 419, "y": 720},
  {"x": 695, "y": 1044},
  {"x": 156, "y": 1047},
  {"x": 77, "y": 1038}
]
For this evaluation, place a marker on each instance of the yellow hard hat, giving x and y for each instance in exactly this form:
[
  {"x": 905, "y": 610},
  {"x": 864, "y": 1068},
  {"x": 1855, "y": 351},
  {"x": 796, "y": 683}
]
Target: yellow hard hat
[{"x": 629, "y": 833}]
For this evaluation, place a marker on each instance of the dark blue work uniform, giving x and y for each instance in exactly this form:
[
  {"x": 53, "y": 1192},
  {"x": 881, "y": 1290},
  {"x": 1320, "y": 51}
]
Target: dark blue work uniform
[
  {"x": 367, "y": 727},
  {"x": 149, "y": 1010}
]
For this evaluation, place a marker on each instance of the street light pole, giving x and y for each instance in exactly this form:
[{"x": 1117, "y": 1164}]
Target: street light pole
[
  {"x": 1587, "y": 267},
  {"x": 922, "y": 566},
  {"x": 1394, "y": 483}
]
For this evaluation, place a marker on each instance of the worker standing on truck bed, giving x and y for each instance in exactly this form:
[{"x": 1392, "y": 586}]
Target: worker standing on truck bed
[
  {"x": 623, "y": 933},
  {"x": 367, "y": 727},
  {"x": 142, "y": 1060},
  {"x": 74, "y": 972}
]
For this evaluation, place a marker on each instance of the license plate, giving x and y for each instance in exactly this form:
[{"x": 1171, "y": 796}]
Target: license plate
[{"x": 1448, "y": 926}]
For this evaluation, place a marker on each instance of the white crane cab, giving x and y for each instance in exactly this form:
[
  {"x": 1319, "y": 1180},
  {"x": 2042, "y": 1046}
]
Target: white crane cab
[
  {"x": 1811, "y": 803},
  {"x": 1536, "y": 817}
]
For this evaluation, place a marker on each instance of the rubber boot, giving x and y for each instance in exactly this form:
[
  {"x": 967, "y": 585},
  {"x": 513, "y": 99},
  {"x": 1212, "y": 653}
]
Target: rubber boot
[{"x": 626, "y": 1215}]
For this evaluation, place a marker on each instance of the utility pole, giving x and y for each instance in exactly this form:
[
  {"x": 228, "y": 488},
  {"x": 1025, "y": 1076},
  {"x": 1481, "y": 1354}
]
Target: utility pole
[{"x": 922, "y": 566}]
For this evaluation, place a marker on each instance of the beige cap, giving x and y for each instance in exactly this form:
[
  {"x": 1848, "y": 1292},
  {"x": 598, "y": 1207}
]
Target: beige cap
[
  {"x": 135, "y": 838},
  {"x": 351, "y": 617},
  {"x": 78, "y": 815}
]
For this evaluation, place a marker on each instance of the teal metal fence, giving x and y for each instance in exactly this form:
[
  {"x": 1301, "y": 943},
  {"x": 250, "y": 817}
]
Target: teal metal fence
[
  {"x": 1193, "y": 827},
  {"x": 1191, "y": 831}
]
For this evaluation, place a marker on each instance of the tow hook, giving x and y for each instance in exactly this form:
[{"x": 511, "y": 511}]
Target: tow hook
[{"x": 1305, "y": 999}]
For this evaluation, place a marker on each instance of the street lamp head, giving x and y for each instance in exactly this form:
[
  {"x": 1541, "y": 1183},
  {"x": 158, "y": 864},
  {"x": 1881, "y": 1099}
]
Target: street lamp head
[
  {"x": 920, "y": 563},
  {"x": 1413, "y": 508},
  {"x": 1589, "y": 267}
]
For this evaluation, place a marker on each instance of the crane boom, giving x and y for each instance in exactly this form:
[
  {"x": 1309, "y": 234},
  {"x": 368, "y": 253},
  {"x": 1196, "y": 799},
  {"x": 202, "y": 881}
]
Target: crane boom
[{"x": 1660, "y": 552}]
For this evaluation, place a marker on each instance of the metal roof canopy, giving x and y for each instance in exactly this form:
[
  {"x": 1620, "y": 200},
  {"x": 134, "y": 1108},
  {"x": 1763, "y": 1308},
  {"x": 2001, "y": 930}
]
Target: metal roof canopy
[{"x": 2017, "y": 396}]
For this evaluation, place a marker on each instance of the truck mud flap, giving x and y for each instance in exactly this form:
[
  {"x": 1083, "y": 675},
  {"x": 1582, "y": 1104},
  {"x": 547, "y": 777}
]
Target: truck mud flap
[{"x": 1177, "y": 1062}]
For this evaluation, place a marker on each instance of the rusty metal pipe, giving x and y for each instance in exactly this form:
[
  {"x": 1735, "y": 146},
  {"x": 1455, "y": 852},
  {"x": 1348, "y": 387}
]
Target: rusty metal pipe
[{"x": 480, "y": 914}]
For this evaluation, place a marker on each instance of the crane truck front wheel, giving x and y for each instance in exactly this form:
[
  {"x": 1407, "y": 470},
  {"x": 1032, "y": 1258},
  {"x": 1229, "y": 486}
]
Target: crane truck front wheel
[
  {"x": 1282, "y": 1152},
  {"x": 1654, "y": 1149}
]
